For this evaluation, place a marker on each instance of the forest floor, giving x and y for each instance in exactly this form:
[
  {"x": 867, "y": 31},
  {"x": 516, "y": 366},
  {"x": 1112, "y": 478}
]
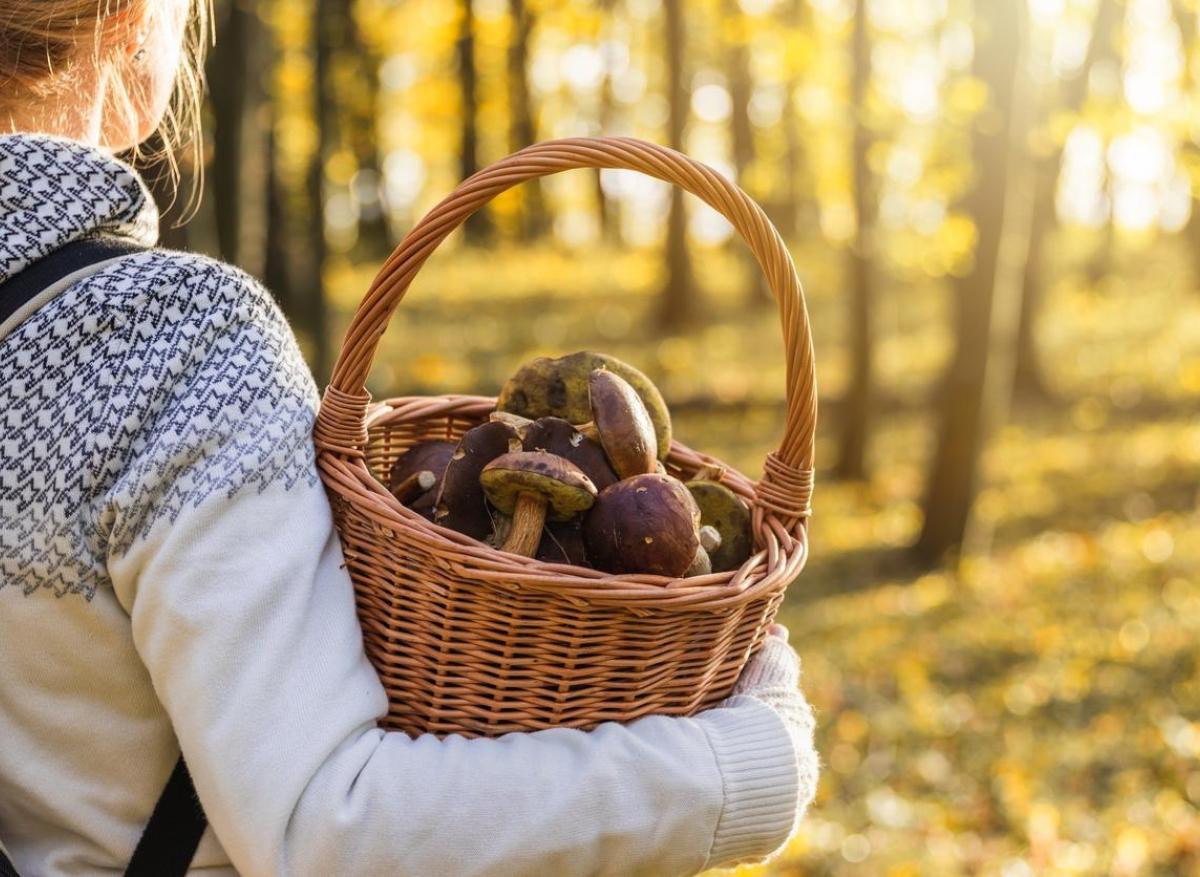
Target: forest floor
[{"x": 1035, "y": 711}]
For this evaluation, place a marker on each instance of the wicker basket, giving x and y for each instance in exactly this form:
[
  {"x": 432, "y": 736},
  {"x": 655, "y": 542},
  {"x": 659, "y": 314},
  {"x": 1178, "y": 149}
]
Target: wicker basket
[{"x": 471, "y": 640}]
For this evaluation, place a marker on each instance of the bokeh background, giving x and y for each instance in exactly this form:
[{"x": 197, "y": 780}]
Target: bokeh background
[{"x": 992, "y": 206}]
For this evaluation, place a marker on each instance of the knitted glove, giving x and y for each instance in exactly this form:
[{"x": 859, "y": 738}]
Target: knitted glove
[{"x": 773, "y": 677}]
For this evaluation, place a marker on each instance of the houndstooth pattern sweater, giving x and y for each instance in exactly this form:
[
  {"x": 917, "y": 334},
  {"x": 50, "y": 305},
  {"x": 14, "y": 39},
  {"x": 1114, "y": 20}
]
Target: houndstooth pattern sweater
[{"x": 170, "y": 578}]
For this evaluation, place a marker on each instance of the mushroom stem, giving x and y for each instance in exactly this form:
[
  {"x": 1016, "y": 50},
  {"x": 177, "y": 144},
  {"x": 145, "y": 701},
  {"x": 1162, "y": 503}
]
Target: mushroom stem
[
  {"x": 701, "y": 565},
  {"x": 710, "y": 538},
  {"x": 414, "y": 485},
  {"x": 516, "y": 421},
  {"x": 528, "y": 518}
]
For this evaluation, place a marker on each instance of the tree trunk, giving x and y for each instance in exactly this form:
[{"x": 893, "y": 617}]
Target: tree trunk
[
  {"x": 374, "y": 231},
  {"x": 236, "y": 72},
  {"x": 785, "y": 210},
  {"x": 522, "y": 130},
  {"x": 607, "y": 214},
  {"x": 741, "y": 136},
  {"x": 856, "y": 411},
  {"x": 478, "y": 226},
  {"x": 1029, "y": 378},
  {"x": 978, "y": 382},
  {"x": 310, "y": 286},
  {"x": 169, "y": 197},
  {"x": 1185, "y": 20},
  {"x": 679, "y": 296},
  {"x": 276, "y": 275}
]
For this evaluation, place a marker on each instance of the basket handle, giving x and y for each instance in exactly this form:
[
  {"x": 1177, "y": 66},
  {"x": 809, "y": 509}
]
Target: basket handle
[{"x": 786, "y": 486}]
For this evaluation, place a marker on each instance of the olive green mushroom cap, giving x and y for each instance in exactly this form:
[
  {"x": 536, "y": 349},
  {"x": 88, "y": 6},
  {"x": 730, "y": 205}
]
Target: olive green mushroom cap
[
  {"x": 559, "y": 388},
  {"x": 566, "y": 490},
  {"x": 722, "y": 510}
]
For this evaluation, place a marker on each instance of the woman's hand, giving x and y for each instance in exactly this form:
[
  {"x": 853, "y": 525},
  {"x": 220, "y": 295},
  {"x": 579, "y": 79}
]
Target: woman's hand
[{"x": 773, "y": 677}]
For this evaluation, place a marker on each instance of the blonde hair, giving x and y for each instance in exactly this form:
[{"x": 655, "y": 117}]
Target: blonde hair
[{"x": 40, "y": 41}]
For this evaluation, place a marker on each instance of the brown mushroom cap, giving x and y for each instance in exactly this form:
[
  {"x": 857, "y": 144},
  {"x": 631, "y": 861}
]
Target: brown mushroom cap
[
  {"x": 645, "y": 524},
  {"x": 562, "y": 542},
  {"x": 721, "y": 509},
  {"x": 560, "y": 483},
  {"x": 461, "y": 504},
  {"x": 556, "y": 436},
  {"x": 432, "y": 456},
  {"x": 623, "y": 424},
  {"x": 559, "y": 388}
]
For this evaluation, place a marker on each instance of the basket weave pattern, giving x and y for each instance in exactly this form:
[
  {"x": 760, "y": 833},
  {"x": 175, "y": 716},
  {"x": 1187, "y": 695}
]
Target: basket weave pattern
[{"x": 471, "y": 640}]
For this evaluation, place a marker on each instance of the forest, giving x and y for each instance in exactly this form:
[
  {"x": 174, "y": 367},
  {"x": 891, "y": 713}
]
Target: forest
[{"x": 993, "y": 210}]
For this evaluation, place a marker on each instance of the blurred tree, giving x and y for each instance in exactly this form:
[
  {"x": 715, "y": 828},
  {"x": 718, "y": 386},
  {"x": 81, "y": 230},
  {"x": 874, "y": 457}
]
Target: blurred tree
[
  {"x": 170, "y": 195},
  {"x": 1186, "y": 21},
  {"x": 680, "y": 297},
  {"x": 736, "y": 33},
  {"x": 361, "y": 107},
  {"x": 1029, "y": 379},
  {"x": 309, "y": 308},
  {"x": 478, "y": 226},
  {"x": 607, "y": 212},
  {"x": 522, "y": 130},
  {"x": 795, "y": 19},
  {"x": 236, "y": 71},
  {"x": 856, "y": 410},
  {"x": 276, "y": 257},
  {"x": 737, "y": 73},
  {"x": 975, "y": 386}
]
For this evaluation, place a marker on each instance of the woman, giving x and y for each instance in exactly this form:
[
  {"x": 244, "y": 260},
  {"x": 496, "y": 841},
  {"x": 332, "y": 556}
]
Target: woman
[{"x": 170, "y": 578}]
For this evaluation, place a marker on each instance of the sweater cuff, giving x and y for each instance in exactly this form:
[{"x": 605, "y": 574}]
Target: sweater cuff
[{"x": 760, "y": 773}]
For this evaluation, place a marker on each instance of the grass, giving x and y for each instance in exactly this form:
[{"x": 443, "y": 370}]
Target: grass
[{"x": 1035, "y": 711}]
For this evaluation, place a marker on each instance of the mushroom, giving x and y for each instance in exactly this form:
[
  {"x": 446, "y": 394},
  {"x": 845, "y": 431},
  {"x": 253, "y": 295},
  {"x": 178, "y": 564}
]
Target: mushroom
[
  {"x": 531, "y": 486},
  {"x": 562, "y": 542},
  {"x": 414, "y": 485},
  {"x": 516, "y": 421},
  {"x": 710, "y": 541},
  {"x": 556, "y": 436},
  {"x": 723, "y": 511},
  {"x": 545, "y": 387},
  {"x": 461, "y": 504},
  {"x": 701, "y": 565},
  {"x": 430, "y": 456},
  {"x": 645, "y": 524},
  {"x": 622, "y": 424}
]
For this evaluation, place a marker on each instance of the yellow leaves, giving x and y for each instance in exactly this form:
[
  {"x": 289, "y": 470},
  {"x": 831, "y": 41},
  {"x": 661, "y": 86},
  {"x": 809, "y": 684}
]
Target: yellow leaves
[
  {"x": 954, "y": 244},
  {"x": 966, "y": 97},
  {"x": 1132, "y": 850}
]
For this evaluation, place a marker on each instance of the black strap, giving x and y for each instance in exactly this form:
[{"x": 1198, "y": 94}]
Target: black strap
[
  {"x": 66, "y": 260},
  {"x": 173, "y": 833}
]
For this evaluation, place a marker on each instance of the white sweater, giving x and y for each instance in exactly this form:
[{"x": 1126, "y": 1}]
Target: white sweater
[{"x": 170, "y": 578}]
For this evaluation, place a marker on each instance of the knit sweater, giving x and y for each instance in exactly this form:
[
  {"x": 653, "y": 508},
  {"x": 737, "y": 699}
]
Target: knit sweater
[{"x": 170, "y": 579}]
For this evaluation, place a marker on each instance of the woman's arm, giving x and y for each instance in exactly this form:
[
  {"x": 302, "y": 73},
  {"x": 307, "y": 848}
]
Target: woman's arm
[{"x": 222, "y": 551}]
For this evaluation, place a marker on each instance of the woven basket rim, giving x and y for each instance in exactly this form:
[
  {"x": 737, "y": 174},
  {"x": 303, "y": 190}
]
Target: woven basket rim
[{"x": 355, "y": 483}]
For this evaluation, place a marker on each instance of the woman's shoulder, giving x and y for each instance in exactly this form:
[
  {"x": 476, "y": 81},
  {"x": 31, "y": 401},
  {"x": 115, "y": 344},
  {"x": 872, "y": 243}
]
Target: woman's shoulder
[
  {"x": 173, "y": 303},
  {"x": 188, "y": 284}
]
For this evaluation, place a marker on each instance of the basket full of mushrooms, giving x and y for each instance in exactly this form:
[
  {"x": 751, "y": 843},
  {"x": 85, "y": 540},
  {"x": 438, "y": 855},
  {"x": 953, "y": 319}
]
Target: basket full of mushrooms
[{"x": 553, "y": 557}]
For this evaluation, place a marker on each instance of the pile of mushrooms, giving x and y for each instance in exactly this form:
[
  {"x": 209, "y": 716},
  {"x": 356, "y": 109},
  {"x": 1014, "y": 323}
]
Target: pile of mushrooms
[{"x": 569, "y": 470}]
